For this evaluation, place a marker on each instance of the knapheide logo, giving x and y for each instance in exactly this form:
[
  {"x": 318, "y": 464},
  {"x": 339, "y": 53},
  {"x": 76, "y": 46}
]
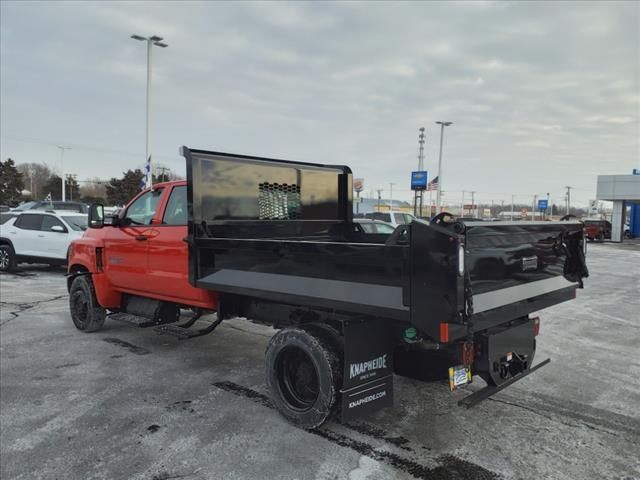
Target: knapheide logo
[{"x": 356, "y": 369}]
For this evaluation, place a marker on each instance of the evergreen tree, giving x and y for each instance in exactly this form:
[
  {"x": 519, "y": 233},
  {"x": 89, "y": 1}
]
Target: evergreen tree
[
  {"x": 121, "y": 190},
  {"x": 11, "y": 184}
]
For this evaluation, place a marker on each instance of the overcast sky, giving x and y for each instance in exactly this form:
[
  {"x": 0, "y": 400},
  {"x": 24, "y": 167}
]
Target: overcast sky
[{"x": 542, "y": 95}]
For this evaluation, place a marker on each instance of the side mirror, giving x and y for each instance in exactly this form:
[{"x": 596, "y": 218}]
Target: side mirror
[
  {"x": 96, "y": 215},
  {"x": 58, "y": 229}
]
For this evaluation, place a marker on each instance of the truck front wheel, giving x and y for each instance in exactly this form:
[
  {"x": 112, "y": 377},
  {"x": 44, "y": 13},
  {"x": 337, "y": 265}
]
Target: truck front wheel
[
  {"x": 86, "y": 312},
  {"x": 303, "y": 375}
]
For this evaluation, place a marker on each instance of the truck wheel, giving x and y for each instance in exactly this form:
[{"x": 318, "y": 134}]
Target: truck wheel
[
  {"x": 303, "y": 374},
  {"x": 7, "y": 258},
  {"x": 86, "y": 312}
]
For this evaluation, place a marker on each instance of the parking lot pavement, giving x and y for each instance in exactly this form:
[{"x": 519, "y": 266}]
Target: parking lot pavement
[{"x": 127, "y": 403}]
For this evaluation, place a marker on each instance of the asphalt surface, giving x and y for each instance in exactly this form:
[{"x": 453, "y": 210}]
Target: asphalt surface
[{"x": 126, "y": 403}]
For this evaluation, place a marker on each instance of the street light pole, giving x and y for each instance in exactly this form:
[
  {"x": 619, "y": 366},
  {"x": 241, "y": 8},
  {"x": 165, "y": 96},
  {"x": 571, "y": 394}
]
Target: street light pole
[
  {"x": 151, "y": 41},
  {"x": 391, "y": 184},
  {"x": 568, "y": 199},
  {"x": 62, "y": 149},
  {"x": 442, "y": 125}
]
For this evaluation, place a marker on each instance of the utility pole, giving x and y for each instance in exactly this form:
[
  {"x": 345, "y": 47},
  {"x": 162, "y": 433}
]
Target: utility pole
[
  {"x": 62, "y": 149},
  {"x": 462, "y": 205},
  {"x": 379, "y": 197},
  {"x": 33, "y": 195},
  {"x": 70, "y": 178},
  {"x": 391, "y": 184},
  {"x": 512, "y": 206},
  {"x": 568, "y": 199},
  {"x": 473, "y": 203},
  {"x": 151, "y": 41},
  {"x": 534, "y": 207},
  {"x": 549, "y": 205},
  {"x": 163, "y": 169},
  {"x": 442, "y": 125},
  {"x": 419, "y": 193}
]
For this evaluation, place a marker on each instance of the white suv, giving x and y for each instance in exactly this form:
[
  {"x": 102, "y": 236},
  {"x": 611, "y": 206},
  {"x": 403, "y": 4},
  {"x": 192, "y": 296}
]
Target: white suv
[{"x": 39, "y": 237}]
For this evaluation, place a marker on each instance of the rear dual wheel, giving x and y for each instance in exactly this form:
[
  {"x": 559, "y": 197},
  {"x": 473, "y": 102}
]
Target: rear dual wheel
[{"x": 304, "y": 373}]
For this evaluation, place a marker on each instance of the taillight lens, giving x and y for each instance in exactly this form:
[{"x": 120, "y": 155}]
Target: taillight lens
[
  {"x": 461, "y": 260},
  {"x": 536, "y": 326}
]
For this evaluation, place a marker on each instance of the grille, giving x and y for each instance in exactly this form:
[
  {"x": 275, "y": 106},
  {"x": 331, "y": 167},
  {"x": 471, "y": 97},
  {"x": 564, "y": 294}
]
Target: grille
[{"x": 279, "y": 201}]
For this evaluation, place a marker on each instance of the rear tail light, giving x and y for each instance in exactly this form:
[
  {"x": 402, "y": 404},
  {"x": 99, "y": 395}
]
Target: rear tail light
[{"x": 536, "y": 326}]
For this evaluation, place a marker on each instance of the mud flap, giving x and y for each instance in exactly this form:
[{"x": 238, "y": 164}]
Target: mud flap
[{"x": 368, "y": 369}]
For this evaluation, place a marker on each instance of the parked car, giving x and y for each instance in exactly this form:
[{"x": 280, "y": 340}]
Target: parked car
[
  {"x": 595, "y": 229},
  {"x": 373, "y": 226},
  {"x": 392, "y": 218},
  {"x": 55, "y": 205},
  {"x": 6, "y": 216},
  {"x": 39, "y": 237},
  {"x": 626, "y": 232}
]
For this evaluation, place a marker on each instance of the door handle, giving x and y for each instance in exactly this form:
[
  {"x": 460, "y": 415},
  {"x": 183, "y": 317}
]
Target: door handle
[{"x": 140, "y": 238}]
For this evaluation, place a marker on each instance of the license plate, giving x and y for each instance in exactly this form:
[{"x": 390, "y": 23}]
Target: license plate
[{"x": 459, "y": 376}]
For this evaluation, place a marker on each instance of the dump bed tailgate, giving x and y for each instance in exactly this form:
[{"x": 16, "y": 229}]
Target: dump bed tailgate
[{"x": 481, "y": 274}]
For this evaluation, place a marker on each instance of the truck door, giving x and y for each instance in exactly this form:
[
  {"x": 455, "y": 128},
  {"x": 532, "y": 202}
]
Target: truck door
[
  {"x": 168, "y": 255},
  {"x": 126, "y": 246}
]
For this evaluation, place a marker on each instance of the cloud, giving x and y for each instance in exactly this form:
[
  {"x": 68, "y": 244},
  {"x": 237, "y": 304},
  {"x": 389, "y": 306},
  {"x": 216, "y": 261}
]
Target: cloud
[{"x": 334, "y": 82}]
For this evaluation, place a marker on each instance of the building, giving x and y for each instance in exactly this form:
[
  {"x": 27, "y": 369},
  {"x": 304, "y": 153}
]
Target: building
[{"x": 623, "y": 191}]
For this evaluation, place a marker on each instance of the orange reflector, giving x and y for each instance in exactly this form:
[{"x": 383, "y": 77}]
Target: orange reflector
[
  {"x": 536, "y": 326},
  {"x": 444, "y": 332}
]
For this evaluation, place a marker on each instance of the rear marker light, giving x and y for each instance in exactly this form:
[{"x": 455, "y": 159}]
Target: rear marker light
[
  {"x": 461, "y": 260},
  {"x": 444, "y": 332},
  {"x": 536, "y": 326}
]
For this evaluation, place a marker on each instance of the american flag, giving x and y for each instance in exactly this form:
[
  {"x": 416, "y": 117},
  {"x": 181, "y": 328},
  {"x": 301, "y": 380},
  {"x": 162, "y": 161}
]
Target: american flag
[
  {"x": 147, "y": 174},
  {"x": 433, "y": 184}
]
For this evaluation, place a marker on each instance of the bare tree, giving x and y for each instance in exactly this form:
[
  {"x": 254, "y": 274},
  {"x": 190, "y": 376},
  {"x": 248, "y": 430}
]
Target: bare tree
[{"x": 35, "y": 175}]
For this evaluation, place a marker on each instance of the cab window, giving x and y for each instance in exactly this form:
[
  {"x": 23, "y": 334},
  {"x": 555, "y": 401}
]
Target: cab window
[
  {"x": 142, "y": 210},
  {"x": 176, "y": 211}
]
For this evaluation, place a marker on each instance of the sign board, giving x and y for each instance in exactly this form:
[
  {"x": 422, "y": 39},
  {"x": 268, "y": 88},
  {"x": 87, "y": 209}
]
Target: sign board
[
  {"x": 419, "y": 180},
  {"x": 593, "y": 207},
  {"x": 358, "y": 184},
  {"x": 470, "y": 206},
  {"x": 543, "y": 204},
  {"x": 524, "y": 212},
  {"x": 636, "y": 171}
]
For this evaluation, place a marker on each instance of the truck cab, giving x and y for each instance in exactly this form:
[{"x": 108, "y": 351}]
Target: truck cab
[{"x": 141, "y": 252}]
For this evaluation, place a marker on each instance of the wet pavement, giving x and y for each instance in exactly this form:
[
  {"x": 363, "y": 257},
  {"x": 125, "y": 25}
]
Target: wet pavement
[{"x": 125, "y": 402}]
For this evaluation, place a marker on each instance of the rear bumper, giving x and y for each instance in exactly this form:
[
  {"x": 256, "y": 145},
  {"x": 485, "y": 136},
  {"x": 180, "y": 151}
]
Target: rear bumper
[{"x": 476, "y": 397}]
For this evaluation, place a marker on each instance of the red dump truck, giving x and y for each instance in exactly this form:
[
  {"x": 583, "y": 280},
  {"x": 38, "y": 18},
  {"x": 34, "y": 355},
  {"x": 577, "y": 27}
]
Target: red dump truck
[{"x": 274, "y": 241}]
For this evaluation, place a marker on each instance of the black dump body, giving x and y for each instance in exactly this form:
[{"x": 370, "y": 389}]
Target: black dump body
[{"x": 282, "y": 232}]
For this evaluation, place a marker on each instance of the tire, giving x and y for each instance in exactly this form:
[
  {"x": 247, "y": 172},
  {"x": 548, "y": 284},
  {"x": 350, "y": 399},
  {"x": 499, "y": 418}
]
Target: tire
[
  {"x": 86, "y": 312},
  {"x": 7, "y": 258},
  {"x": 601, "y": 237},
  {"x": 304, "y": 374}
]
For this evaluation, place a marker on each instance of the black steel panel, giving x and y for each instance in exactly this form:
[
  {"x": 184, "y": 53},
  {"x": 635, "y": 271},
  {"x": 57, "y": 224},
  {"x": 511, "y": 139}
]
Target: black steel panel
[
  {"x": 508, "y": 254},
  {"x": 437, "y": 291}
]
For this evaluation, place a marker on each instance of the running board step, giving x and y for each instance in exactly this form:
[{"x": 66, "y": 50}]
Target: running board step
[
  {"x": 182, "y": 333},
  {"x": 142, "y": 322}
]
